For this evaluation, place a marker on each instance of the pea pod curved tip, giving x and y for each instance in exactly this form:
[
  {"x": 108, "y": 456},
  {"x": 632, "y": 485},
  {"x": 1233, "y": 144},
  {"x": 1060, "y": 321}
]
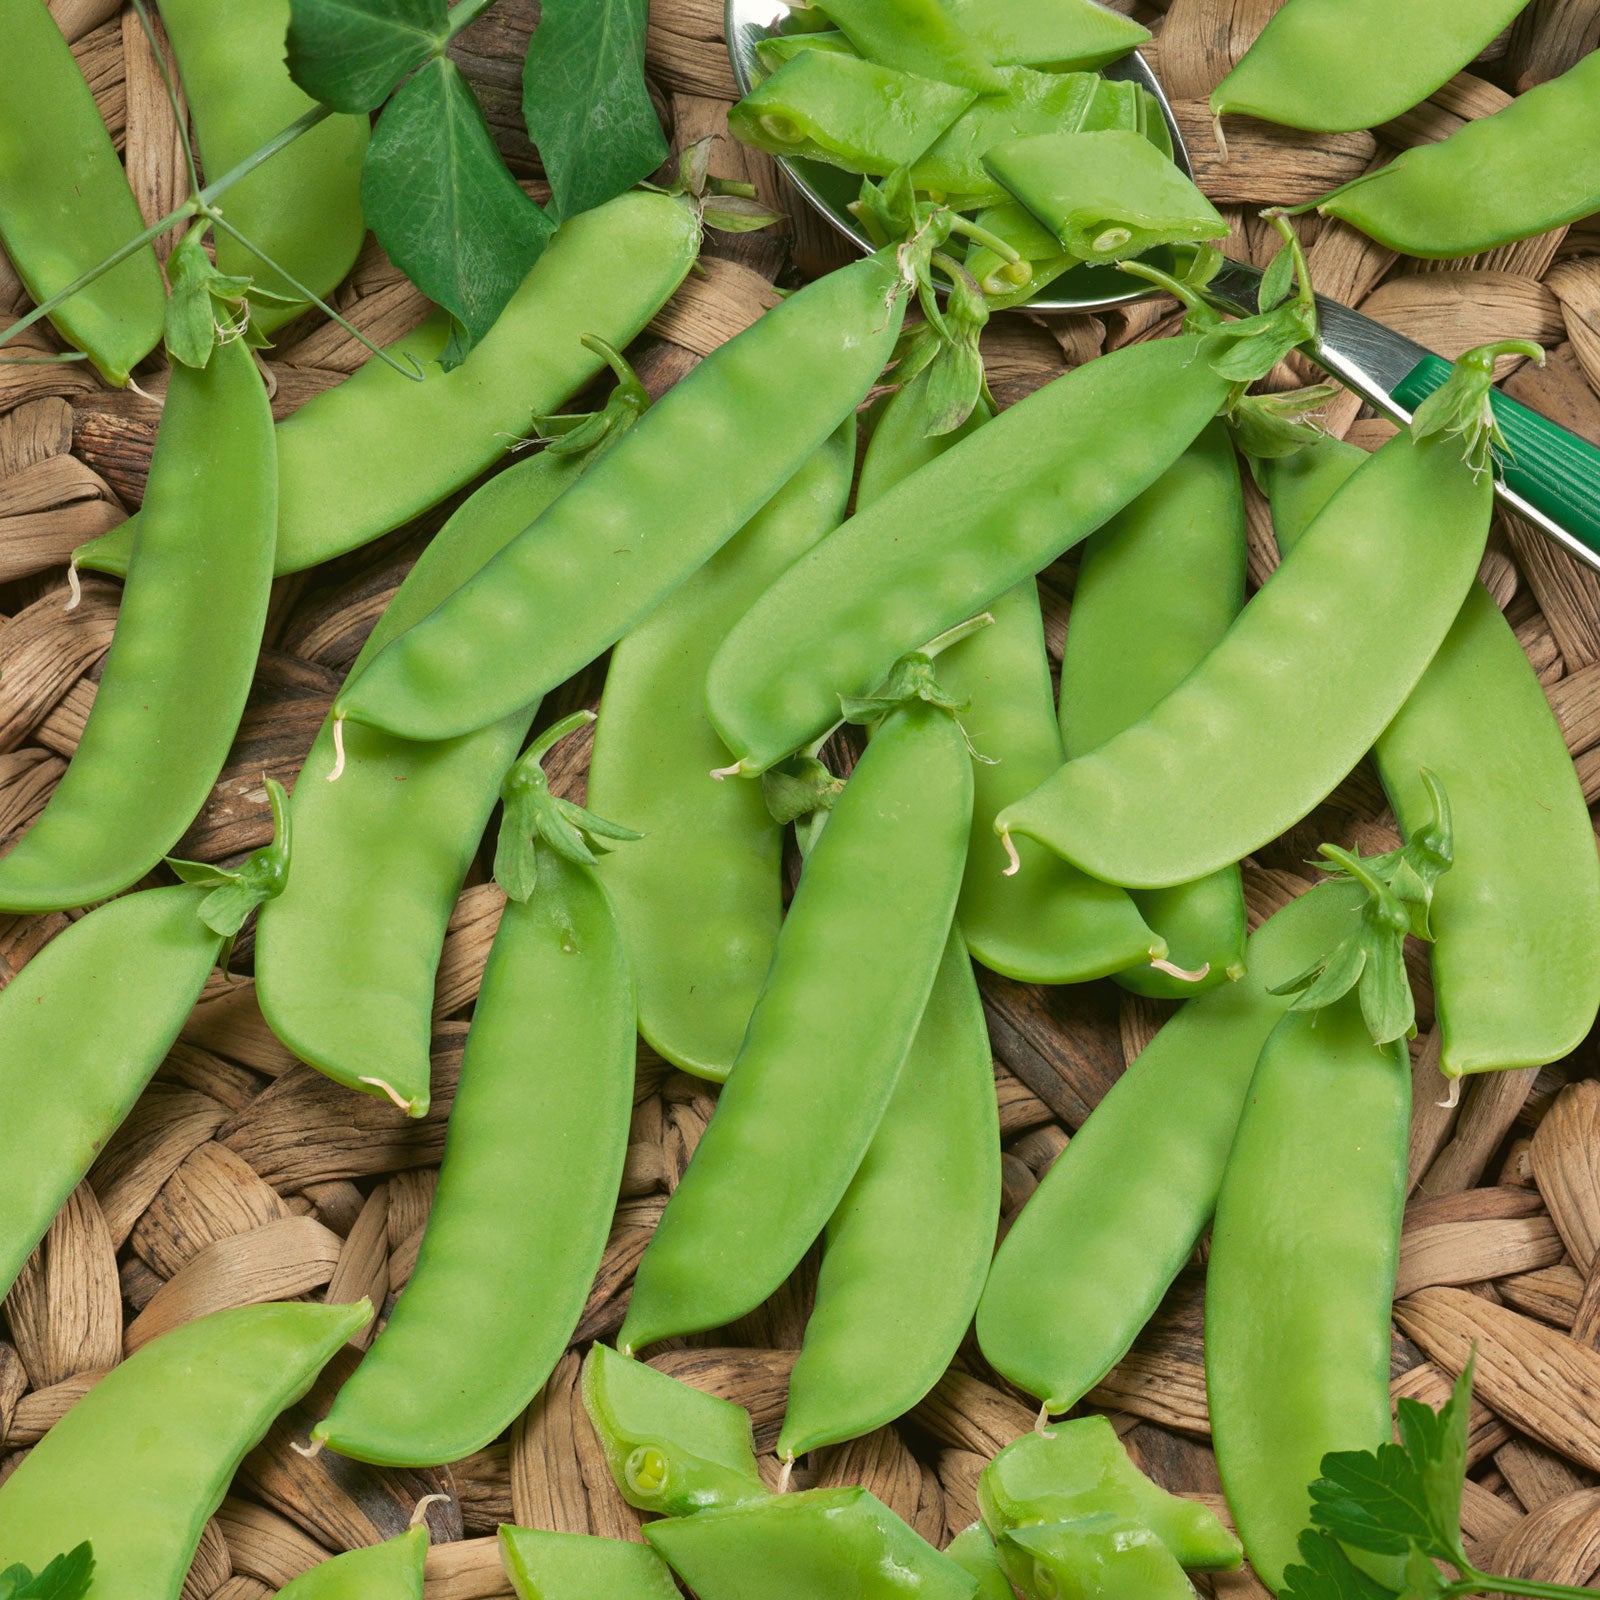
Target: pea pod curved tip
[
  {"x": 1014, "y": 860},
  {"x": 1453, "y": 1095},
  {"x": 412, "y": 1108},
  {"x": 337, "y": 770},
  {"x": 310, "y": 1451},
  {"x": 419, "y": 1512},
  {"x": 1182, "y": 974},
  {"x": 785, "y": 1474},
  {"x": 1041, "y": 1423},
  {"x": 74, "y": 586}
]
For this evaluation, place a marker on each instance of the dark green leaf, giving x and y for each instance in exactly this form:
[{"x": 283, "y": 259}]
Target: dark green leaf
[
  {"x": 1374, "y": 1500},
  {"x": 443, "y": 205},
  {"x": 1328, "y": 1574},
  {"x": 585, "y": 101},
  {"x": 351, "y": 54},
  {"x": 65, "y": 1578},
  {"x": 1437, "y": 1442}
]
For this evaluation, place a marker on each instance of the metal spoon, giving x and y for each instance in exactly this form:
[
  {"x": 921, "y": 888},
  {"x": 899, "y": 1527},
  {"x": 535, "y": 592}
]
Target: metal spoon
[{"x": 1551, "y": 477}]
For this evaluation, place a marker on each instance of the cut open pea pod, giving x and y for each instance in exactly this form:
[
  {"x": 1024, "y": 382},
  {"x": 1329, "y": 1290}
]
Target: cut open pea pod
[
  {"x": 1041, "y": 260},
  {"x": 671, "y": 1448},
  {"x": 1107, "y": 1556},
  {"x": 1106, "y": 196},
  {"x": 784, "y": 47},
  {"x": 825, "y": 106},
  {"x": 578, "y": 1566}
]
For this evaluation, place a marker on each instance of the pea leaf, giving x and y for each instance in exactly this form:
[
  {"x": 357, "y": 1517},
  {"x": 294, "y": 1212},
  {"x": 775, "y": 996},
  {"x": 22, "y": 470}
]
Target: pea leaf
[
  {"x": 585, "y": 101},
  {"x": 443, "y": 205},
  {"x": 350, "y": 54}
]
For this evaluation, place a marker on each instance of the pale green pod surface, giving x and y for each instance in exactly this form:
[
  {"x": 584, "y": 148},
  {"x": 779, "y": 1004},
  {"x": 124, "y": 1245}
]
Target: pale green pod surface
[
  {"x": 532, "y": 1164},
  {"x": 1108, "y": 1556},
  {"x": 83, "y": 1028},
  {"x": 303, "y": 207},
  {"x": 973, "y": 1551},
  {"x": 578, "y": 1566},
  {"x": 388, "y": 1571},
  {"x": 926, "y": 37},
  {"x": 1516, "y": 920},
  {"x": 817, "y": 1544},
  {"x": 1080, "y": 1468},
  {"x": 699, "y": 897},
  {"x": 671, "y": 1448},
  {"x": 372, "y": 453},
  {"x": 1047, "y": 923},
  {"x": 909, "y": 1246},
  {"x": 140, "y": 1462},
  {"x": 1109, "y": 1227},
  {"x": 1302, "y": 1270},
  {"x": 346, "y": 956},
  {"x": 1061, "y": 35},
  {"x": 1158, "y": 586}
]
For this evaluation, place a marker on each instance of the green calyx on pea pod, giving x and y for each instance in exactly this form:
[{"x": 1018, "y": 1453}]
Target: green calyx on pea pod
[
  {"x": 207, "y": 304},
  {"x": 65, "y": 1578},
  {"x": 1371, "y": 960},
  {"x": 533, "y": 813},
  {"x": 720, "y": 203}
]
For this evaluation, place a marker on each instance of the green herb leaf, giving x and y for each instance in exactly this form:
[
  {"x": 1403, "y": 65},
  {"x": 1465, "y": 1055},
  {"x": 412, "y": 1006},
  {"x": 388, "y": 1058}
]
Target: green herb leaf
[
  {"x": 585, "y": 102},
  {"x": 1436, "y": 1442},
  {"x": 443, "y": 205},
  {"x": 1373, "y": 1499},
  {"x": 1328, "y": 1574},
  {"x": 65, "y": 1578},
  {"x": 352, "y": 54}
]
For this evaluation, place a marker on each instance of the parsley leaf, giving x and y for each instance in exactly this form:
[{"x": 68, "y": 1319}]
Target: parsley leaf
[
  {"x": 65, "y": 1578},
  {"x": 1328, "y": 1573}
]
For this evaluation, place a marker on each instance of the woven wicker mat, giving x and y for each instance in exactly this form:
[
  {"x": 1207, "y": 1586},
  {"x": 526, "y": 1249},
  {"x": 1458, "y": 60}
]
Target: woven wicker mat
[{"x": 241, "y": 1177}]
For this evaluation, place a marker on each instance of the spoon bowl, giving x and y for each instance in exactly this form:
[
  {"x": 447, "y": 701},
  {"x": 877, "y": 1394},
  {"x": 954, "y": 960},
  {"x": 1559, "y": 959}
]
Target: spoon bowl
[{"x": 829, "y": 190}]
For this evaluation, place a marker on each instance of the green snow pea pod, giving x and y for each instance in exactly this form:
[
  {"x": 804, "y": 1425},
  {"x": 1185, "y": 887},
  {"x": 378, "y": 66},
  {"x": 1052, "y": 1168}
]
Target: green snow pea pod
[
  {"x": 1106, "y": 195},
  {"x": 1339, "y": 65},
  {"x": 696, "y": 467},
  {"x": 578, "y": 1566},
  {"x": 855, "y": 961},
  {"x": 532, "y": 1164},
  {"x": 1078, "y": 1469},
  {"x": 1525, "y": 170},
  {"x": 141, "y": 1461},
  {"x": 1297, "y": 689},
  {"x": 1157, "y": 588},
  {"x": 1050, "y": 923},
  {"x": 1062, "y": 35},
  {"x": 1119, "y": 105},
  {"x": 699, "y": 897},
  {"x": 671, "y": 1448},
  {"x": 1108, "y": 1556},
  {"x": 822, "y": 105},
  {"x": 181, "y": 660},
  {"x": 303, "y": 207},
  {"x": 65, "y": 204},
  {"x": 1101, "y": 1239},
  {"x": 1027, "y": 102},
  {"x": 97, "y": 1009},
  {"x": 925, "y": 37},
  {"x": 1516, "y": 922},
  {"x": 819, "y": 1544},
  {"x": 995, "y": 509},
  {"x": 774, "y": 52},
  {"x": 372, "y": 453},
  {"x": 346, "y": 958},
  {"x": 909, "y": 1246},
  {"x": 1302, "y": 1269},
  {"x": 1010, "y": 283},
  {"x": 973, "y": 1551},
  {"x": 388, "y": 1571}
]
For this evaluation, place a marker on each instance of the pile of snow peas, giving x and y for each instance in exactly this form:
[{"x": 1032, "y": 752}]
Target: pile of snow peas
[{"x": 826, "y": 537}]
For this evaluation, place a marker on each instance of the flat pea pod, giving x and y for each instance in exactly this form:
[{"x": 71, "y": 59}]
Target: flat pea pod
[
  {"x": 65, "y": 204},
  {"x": 1293, "y": 694},
  {"x": 1157, "y": 588},
  {"x": 909, "y": 1246},
  {"x": 671, "y": 1448},
  {"x": 1105, "y": 195},
  {"x": 1111, "y": 1557},
  {"x": 823, "y": 105},
  {"x": 1100, "y": 1240},
  {"x": 926, "y": 37},
  {"x": 855, "y": 962},
  {"x": 532, "y": 1164},
  {"x": 1528, "y": 168},
  {"x": 98, "y": 1008},
  {"x": 346, "y": 957},
  {"x": 704, "y": 459},
  {"x": 1338, "y": 65},
  {"x": 1049, "y": 923},
  {"x": 388, "y": 1571},
  {"x": 1516, "y": 920},
  {"x": 1302, "y": 1270},
  {"x": 140, "y": 1462},
  {"x": 372, "y": 453},
  {"x": 183, "y": 654},
  {"x": 997, "y": 508},
  {"x": 1061, "y": 35},
  {"x": 303, "y": 207},
  {"x": 699, "y": 897},
  {"x": 577, "y": 1566},
  {"x": 973, "y": 1551},
  {"x": 817, "y": 1544}
]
